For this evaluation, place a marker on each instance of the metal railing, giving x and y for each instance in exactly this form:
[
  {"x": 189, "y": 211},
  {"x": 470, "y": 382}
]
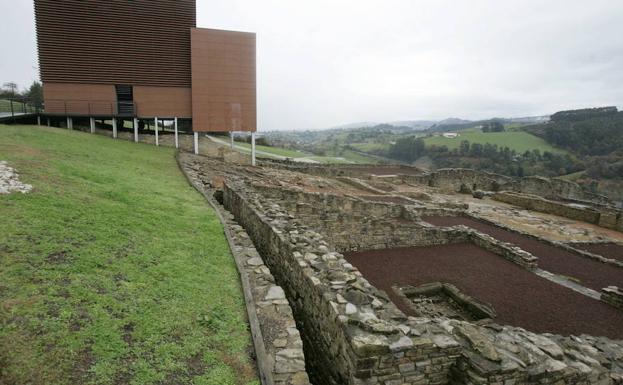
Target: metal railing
[
  {"x": 90, "y": 107},
  {"x": 13, "y": 107}
]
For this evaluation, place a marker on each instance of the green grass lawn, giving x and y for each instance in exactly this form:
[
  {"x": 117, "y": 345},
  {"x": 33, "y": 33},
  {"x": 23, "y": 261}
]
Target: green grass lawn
[
  {"x": 520, "y": 141},
  {"x": 113, "y": 270}
]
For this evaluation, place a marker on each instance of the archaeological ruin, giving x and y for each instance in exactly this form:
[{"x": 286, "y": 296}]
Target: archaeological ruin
[{"x": 390, "y": 275}]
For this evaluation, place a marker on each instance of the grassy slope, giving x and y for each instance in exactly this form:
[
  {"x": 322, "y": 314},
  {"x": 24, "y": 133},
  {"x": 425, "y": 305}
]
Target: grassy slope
[
  {"x": 113, "y": 270},
  {"x": 520, "y": 141}
]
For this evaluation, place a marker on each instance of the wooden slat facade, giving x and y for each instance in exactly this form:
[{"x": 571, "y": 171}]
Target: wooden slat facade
[
  {"x": 87, "y": 47},
  {"x": 137, "y": 42}
]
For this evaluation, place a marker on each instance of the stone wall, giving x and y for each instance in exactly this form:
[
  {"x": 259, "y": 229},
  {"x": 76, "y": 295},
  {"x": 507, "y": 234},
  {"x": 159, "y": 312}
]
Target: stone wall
[
  {"x": 457, "y": 179},
  {"x": 350, "y": 170},
  {"x": 278, "y": 346},
  {"x": 612, "y": 295},
  {"x": 353, "y": 334},
  {"x": 606, "y": 217},
  {"x": 555, "y": 189},
  {"x": 351, "y": 224}
]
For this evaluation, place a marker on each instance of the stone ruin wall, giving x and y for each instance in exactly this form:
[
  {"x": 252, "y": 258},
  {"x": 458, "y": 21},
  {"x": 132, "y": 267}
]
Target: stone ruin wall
[
  {"x": 455, "y": 179},
  {"x": 606, "y": 217},
  {"x": 556, "y": 189},
  {"x": 364, "y": 345},
  {"x": 550, "y": 188},
  {"x": 351, "y": 224},
  {"x": 353, "y": 334}
]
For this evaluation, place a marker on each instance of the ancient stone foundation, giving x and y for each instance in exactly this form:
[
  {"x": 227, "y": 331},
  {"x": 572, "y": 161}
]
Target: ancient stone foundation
[
  {"x": 353, "y": 334},
  {"x": 612, "y": 295},
  {"x": 603, "y": 216}
]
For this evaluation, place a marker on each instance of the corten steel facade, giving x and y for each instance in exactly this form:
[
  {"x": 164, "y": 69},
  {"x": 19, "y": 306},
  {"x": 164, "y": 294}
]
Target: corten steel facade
[{"x": 91, "y": 52}]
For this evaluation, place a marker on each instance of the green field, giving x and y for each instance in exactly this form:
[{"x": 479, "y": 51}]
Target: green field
[
  {"x": 369, "y": 147},
  {"x": 275, "y": 150},
  {"x": 113, "y": 270},
  {"x": 346, "y": 157},
  {"x": 519, "y": 141}
]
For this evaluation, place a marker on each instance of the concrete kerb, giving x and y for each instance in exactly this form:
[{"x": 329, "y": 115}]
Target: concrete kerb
[{"x": 263, "y": 361}]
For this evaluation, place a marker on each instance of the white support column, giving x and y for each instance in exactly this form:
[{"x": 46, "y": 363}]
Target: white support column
[
  {"x": 70, "y": 123},
  {"x": 196, "y": 142},
  {"x": 253, "y": 149},
  {"x": 114, "y": 127},
  {"x": 156, "y": 128},
  {"x": 177, "y": 145},
  {"x": 231, "y": 139},
  {"x": 136, "y": 130},
  {"x": 38, "y": 120},
  {"x": 92, "y": 125},
  {"x": 49, "y": 123}
]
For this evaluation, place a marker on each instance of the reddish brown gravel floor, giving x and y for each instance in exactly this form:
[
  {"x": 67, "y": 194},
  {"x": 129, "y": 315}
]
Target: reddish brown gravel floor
[
  {"x": 588, "y": 272},
  {"x": 608, "y": 250},
  {"x": 519, "y": 297}
]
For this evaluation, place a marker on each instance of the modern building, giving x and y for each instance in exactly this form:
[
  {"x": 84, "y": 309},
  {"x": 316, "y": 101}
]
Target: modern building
[{"x": 144, "y": 59}]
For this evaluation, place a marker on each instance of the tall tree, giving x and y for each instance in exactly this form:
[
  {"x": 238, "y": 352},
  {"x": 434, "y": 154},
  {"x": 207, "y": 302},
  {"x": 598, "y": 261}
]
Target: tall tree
[{"x": 35, "y": 94}]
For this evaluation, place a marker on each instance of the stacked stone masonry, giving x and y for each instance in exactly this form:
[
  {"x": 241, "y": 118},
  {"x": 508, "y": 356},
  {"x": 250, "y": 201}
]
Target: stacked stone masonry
[
  {"x": 354, "y": 334},
  {"x": 602, "y": 216},
  {"x": 279, "y": 349},
  {"x": 612, "y": 295}
]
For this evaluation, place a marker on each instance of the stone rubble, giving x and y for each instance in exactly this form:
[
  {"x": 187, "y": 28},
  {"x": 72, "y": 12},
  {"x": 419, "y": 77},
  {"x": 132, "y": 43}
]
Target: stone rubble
[
  {"x": 9, "y": 180},
  {"x": 282, "y": 361},
  {"x": 353, "y": 333}
]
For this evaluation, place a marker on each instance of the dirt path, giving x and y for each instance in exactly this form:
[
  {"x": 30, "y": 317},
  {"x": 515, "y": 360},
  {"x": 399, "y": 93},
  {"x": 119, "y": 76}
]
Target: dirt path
[{"x": 519, "y": 297}]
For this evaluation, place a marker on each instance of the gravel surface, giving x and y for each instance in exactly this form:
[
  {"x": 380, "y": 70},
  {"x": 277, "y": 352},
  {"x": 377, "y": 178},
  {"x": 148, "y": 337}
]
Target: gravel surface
[
  {"x": 519, "y": 297},
  {"x": 608, "y": 250},
  {"x": 586, "y": 271}
]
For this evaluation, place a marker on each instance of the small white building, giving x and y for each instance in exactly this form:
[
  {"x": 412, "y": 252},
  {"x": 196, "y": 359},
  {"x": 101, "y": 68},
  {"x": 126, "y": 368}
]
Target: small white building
[{"x": 450, "y": 135}]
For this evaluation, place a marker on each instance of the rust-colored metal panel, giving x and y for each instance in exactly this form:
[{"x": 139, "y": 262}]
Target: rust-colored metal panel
[
  {"x": 165, "y": 102},
  {"x": 79, "y": 99},
  {"x": 223, "y": 80},
  {"x": 137, "y": 42},
  {"x": 100, "y": 99}
]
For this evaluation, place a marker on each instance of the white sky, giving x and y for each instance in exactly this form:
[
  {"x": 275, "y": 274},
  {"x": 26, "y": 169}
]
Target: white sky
[{"x": 323, "y": 63}]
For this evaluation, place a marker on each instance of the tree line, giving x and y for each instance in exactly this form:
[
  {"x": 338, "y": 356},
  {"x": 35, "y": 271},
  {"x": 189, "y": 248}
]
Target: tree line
[
  {"x": 34, "y": 93},
  {"x": 486, "y": 157}
]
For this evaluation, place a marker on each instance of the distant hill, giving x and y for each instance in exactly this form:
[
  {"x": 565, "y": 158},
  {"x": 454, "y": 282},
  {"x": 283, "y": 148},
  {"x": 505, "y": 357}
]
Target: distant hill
[
  {"x": 590, "y": 131},
  {"x": 415, "y": 124},
  {"x": 596, "y": 136},
  {"x": 447, "y": 124},
  {"x": 353, "y": 125}
]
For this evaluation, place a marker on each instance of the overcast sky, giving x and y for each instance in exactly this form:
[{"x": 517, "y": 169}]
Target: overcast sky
[{"x": 323, "y": 63}]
